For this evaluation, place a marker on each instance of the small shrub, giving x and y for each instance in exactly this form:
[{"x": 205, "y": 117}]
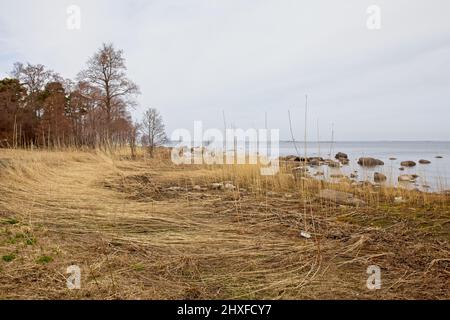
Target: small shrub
[
  {"x": 30, "y": 241},
  {"x": 138, "y": 267},
  {"x": 10, "y": 221},
  {"x": 9, "y": 257},
  {"x": 44, "y": 259}
]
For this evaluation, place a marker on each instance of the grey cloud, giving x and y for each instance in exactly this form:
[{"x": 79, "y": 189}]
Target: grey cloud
[{"x": 193, "y": 59}]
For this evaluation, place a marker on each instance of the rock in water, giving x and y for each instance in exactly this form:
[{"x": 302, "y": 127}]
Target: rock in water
[
  {"x": 340, "y": 197},
  {"x": 407, "y": 178},
  {"x": 342, "y": 158},
  {"x": 370, "y": 162},
  {"x": 422, "y": 161},
  {"x": 379, "y": 177},
  {"x": 407, "y": 163},
  {"x": 439, "y": 157},
  {"x": 341, "y": 155}
]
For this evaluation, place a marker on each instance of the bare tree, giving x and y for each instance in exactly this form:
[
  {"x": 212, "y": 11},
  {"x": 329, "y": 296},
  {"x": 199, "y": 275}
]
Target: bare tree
[
  {"x": 153, "y": 130},
  {"x": 33, "y": 78},
  {"x": 133, "y": 133},
  {"x": 106, "y": 71}
]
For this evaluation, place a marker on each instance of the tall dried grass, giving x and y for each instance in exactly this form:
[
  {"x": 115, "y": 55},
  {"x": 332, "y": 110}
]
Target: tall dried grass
[{"x": 134, "y": 236}]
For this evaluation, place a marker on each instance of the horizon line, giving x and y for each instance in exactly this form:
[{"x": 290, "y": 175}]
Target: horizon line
[{"x": 336, "y": 141}]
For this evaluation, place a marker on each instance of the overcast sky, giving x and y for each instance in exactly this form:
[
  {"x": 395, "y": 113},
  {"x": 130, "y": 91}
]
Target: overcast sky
[{"x": 194, "y": 58}]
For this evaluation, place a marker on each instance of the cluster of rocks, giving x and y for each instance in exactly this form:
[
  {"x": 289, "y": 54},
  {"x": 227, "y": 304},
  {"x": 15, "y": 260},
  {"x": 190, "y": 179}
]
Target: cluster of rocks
[
  {"x": 314, "y": 161},
  {"x": 410, "y": 163},
  {"x": 229, "y": 186},
  {"x": 342, "y": 159}
]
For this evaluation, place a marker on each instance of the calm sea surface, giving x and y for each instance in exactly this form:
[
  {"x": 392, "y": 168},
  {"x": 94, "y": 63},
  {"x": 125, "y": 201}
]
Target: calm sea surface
[{"x": 432, "y": 177}]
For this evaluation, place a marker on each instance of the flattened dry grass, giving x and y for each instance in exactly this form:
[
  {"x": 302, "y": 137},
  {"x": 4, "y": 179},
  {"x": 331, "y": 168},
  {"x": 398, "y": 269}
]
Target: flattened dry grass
[{"x": 136, "y": 238}]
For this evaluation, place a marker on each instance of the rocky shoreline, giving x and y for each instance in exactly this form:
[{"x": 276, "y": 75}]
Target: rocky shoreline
[{"x": 341, "y": 159}]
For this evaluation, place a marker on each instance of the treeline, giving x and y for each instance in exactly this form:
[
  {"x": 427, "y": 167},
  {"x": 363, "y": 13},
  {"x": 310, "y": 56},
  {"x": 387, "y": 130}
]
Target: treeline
[{"x": 40, "y": 108}]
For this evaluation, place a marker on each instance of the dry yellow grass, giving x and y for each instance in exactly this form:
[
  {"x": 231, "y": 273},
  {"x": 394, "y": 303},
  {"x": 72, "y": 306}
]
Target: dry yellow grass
[{"x": 135, "y": 238}]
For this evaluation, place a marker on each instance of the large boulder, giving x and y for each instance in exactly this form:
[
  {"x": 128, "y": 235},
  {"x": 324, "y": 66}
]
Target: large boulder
[
  {"x": 379, "y": 177},
  {"x": 370, "y": 162},
  {"x": 408, "y": 163}
]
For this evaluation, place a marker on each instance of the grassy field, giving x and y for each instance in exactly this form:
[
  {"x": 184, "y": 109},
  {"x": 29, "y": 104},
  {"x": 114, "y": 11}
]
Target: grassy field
[{"x": 147, "y": 229}]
